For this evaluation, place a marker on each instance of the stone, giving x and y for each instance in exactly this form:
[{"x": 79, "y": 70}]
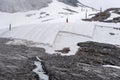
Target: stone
[{"x": 64, "y": 50}]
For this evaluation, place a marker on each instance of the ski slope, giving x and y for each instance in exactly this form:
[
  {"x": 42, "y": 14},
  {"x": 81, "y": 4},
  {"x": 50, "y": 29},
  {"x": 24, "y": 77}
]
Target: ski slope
[
  {"x": 43, "y": 33},
  {"x": 55, "y": 36},
  {"x": 46, "y": 33}
]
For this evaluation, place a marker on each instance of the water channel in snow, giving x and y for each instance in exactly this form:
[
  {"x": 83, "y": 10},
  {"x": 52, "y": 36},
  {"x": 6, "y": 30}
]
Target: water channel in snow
[{"x": 39, "y": 70}]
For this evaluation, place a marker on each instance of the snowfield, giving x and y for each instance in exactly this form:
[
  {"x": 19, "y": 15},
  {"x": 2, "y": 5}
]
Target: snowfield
[
  {"x": 43, "y": 33},
  {"x": 49, "y": 29}
]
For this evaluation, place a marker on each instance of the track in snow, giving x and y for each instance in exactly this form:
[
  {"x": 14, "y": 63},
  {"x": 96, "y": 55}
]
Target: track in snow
[{"x": 45, "y": 34}]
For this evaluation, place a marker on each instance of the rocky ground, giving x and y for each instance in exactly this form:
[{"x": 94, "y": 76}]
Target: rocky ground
[
  {"x": 17, "y": 62},
  {"x": 102, "y": 16},
  {"x": 87, "y": 64}
]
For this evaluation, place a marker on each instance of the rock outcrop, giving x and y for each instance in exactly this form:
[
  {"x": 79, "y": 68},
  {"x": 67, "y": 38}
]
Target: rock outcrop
[
  {"x": 102, "y": 16},
  {"x": 17, "y": 61},
  {"x": 70, "y": 2},
  {"x": 99, "y": 53},
  {"x": 87, "y": 64}
]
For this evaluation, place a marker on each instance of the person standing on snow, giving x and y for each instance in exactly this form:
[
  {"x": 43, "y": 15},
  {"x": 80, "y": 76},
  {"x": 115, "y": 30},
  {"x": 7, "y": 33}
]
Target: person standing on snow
[{"x": 66, "y": 20}]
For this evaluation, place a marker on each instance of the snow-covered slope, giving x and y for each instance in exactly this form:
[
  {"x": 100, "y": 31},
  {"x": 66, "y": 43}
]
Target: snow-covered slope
[
  {"x": 22, "y": 5},
  {"x": 45, "y": 26},
  {"x": 55, "y": 36},
  {"x": 54, "y": 13},
  {"x": 12, "y": 6}
]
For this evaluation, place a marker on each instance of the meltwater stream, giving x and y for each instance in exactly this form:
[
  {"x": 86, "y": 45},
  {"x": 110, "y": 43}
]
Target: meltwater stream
[{"x": 39, "y": 70}]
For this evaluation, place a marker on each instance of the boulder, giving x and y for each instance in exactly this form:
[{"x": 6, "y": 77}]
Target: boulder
[{"x": 64, "y": 50}]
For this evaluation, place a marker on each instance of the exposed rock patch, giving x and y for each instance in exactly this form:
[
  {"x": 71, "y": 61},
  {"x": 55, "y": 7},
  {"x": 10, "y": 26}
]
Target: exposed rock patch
[
  {"x": 70, "y": 2},
  {"x": 99, "y": 17},
  {"x": 76, "y": 3},
  {"x": 99, "y": 53},
  {"x": 17, "y": 61},
  {"x": 87, "y": 64}
]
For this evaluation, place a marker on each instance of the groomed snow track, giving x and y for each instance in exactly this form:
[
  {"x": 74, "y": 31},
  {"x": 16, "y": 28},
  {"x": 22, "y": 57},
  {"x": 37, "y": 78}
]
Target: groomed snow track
[{"x": 46, "y": 34}]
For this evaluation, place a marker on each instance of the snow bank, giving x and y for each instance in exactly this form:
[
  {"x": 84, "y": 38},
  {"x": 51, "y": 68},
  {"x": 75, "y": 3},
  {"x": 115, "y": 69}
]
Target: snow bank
[{"x": 112, "y": 66}]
